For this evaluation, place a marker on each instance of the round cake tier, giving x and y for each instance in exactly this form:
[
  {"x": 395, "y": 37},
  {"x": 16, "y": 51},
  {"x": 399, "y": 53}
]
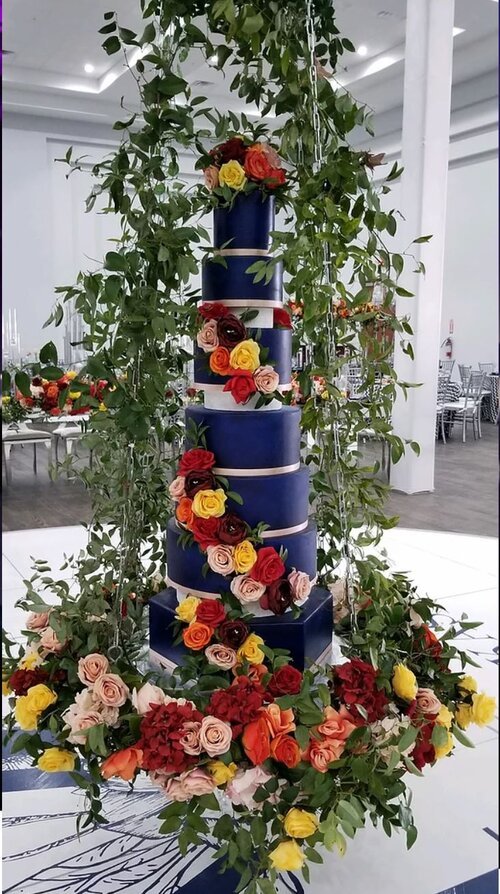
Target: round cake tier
[
  {"x": 277, "y": 342},
  {"x": 281, "y": 501},
  {"x": 246, "y": 224},
  {"x": 220, "y": 282},
  {"x": 255, "y": 440}
]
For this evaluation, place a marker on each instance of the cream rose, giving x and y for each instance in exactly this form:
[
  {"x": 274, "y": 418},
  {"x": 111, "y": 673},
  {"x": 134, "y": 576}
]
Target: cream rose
[
  {"x": 427, "y": 701},
  {"x": 37, "y": 620},
  {"x": 85, "y": 702},
  {"x": 220, "y": 559},
  {"x": 197, "y": 782},
  {"x": 266, "y": 379},
  {"x": 215, "y": 736},
  {"x": 221, "y": 656},
  {"x": 207, "y": 338},
  {"x": 49, "y": 642},
  {"x": 300, "y": 584},
  {"x": 271, "y": 155},
  {"x": 211, "y": 177},
  {"x": 175, "y": 790},
  {"x": 190, "y": 739},
  {"x": 246, "y": 589},
  {"x": 81, "y": 721},
  {"x": 176, "y": 488},
  {"x": 111, "y": 690},
  {"x": 91, "y": 667},
  {"x": 242, "y": 788},
  {"x": 147, "y": 695}
]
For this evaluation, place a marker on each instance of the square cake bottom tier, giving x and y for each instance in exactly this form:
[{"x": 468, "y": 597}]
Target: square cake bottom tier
[{"x": 307, "y": 638}]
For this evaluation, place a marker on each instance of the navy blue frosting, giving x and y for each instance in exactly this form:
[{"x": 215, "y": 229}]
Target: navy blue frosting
[
  {"x": 281, "y": 501},
  {"x": 279, "y": 344},
  {"x": 246, "y": 224},
  {"x": 306, "y": 637},
  {"x": 184, "y": 566},
  {"x": 219, "y": 282},
  {"x": 250, "y": 439}
]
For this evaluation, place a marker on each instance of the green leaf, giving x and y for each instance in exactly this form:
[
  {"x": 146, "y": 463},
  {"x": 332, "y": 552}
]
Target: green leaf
[
  {"x": 461, "y": 737},
  {"x": 111, "y": 45},
  {"x": 114, "y": 261},
  {"x": 52, "y": 373},
  {"x": 252, "y": 24},
  {"x": 23, "y": 382},
  {"x": 408, "y": 738},
  {"x": 48, "y": 353},
  {"x": 422, "y": 239}
]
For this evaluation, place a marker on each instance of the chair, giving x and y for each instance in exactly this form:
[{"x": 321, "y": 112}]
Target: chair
[
  {"x": 20, "y": 433},
  {"x": 468, "y": 408},
  {"x": 442, "y": 398},
  {"x": 465, "y": 372},
  {"x": 446, "y": 366},
  {"x": 487, "y": 368},
  {"x": 67, "y": 434}
]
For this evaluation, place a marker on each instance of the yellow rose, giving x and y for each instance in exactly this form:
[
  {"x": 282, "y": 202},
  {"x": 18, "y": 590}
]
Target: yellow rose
[
  {"x": 287, "y": 856},
  {"x": 209, "y": 503},
  {"x": 71, "y": 374},
  {"x": 443, "y": 750},
  {"x": 404, "y": 683},
  {"x": 6, "y": 399},
  {"x": 74, "y": 395},
  {"x": 444, "y": 717},
  {"x": 221, "y": 773},
  {"x": 467, "y": 684},
  {"x": 483, "y": 709},
  {"x": 102, "y": 407},
  {"x": 250, "y": 651},
  {"x": 31, "y": 659},
  {"x": 186, "y": 611},
  {"x": 40, "y": 697},
  {"x": 244, "y": 557},
  {"x": 463, "y": 715},
  {"x": 26, "y": 717},
  {"x": 300, "y": 823},
  {"x": 56, "y": 760},
  {"x": 246, "y": 355},
  {"x": 232, "y": 174},
  {"x": 6, "y": 690}
]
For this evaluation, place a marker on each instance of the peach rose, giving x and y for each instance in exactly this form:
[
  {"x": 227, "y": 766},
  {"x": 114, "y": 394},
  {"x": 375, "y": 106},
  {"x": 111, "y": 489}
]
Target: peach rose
[
  {"x": 243, "y": 786},
  {"x": 211, "y": 177},
  {"x": 85, "y": 701},
  {"x": 111, "y": 690},
  {"x": 91, "y": 667},
  {"x": 255, "y": 672},
  {"x": 428, "y": 702},
  {"x": 337, "y": 725},
  {"x": 215, "y": 736},
  {"x": 176, "y": 488},
  {"x": 207, "y": 338},
  {"x": 37, "y": 620},
  {"x": 220, "y": 559},
  {"x": 123, "y": 763},
  {"x": 197, "y": 636},
  {"x": 322, "y": 753},
  {"x": 49, "y": 642},
  {"x": 197, "y": 782},
  {"x": 175, "y": 790},
  {"x": 147, "y": 695},
  {"x": 271, "y": 155},
  {"x": 278, "y": 720},
  {"x": 300, "y": 584},
  {"x": 221, "y": 656},
  {"x": 79, "y": 722},
  {"x": 190, "y": 739},
  {"x": 266, "y": 379},
  {"x": 246, "y": 589}
]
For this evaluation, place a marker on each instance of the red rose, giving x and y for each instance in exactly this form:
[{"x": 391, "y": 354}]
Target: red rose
[
  {"x": 268, "y": 567},
  {"x": 230, "y": 331},
  {"x": 356, "y": 684},
  {"x": 37, "y": 381},
  {"x": 205, "y": 531},
  {"x": 211, "y": 611},
  {"x": 430, "y": 641},
  {"x": 196, "y": 460},
  {"x": 424, "y": 752},
  {"x": 233, "y": 633},
  {"x": 256, "y": 741},
  {"x": 278, "y": 597},
  {"x": 277, "y": 177},
  {"x": 55, "y": 411},
  {"x": 232, "y": 150},
  {"x": 161, "y": 734},
  {"x": 239, "y": 704},
  {"x": 281, "y": 317},
  {"x": 241, "y": 385},
  {"x": 213, "y": 310},
  {"x": 287, "y": 680},
  {"x": 195, "y": 481},
  {"x": 232, "y": 529},
  {"x": 22, "y": 680}
]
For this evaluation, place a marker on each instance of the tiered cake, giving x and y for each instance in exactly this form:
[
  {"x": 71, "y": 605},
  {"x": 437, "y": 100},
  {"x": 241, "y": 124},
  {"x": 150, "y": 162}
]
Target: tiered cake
[{"x": 256, "y": 448}]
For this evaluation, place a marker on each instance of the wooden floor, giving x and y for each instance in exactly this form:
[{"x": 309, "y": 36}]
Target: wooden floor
[{"x": 465, "y": 499}]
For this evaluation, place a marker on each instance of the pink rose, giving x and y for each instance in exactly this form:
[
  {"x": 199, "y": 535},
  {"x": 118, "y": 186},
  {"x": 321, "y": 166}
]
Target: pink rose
[
  {"x": 271, "y": 155},
  {"x": 246, "y": 589},
  {"x": 300, "y": 584},
  {"x": 207, "y": 338},
  {"x": 176, "y": 488},
  {"x": 220, "y": 558},
  {"x": 428, "y": 702},
  {"x": 221, "y": 656},
  {"x": 211, "y": 177},
  {"x": 111, "y": 690},
  {"x": 215, "y": 736},
  {"x": 197, "y": 782},
  {"x": 266, "y": 379},
  {"x": 175, "y": 790},
  {"x": 190, "y": 739},
  {"x": 243, "y": 786},
  {"x": 81, "y": 721},
  {"x": 49, "y": 641},
  {"x": 37, "y": 620},
  {"x": 85, "y": 703},
  {"x": 147, "y": 695},
  {"x": 91, "y": 667}
]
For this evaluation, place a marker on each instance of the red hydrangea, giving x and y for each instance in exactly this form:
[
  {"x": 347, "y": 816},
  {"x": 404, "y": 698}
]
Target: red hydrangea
[
  {"x": 356, "y": 684},
  {"x": 161, "y": 734},
  {"x": 424, "y": 752},
  {"x": 22, "y": 680},
  {"x": 239, "y": 704}
]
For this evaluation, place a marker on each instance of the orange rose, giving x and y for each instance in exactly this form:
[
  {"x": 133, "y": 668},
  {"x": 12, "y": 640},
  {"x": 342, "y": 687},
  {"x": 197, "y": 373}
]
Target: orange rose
[
  {"x": 52, "y": 392},
  {"x": 257, "y": 164},
  {"x": 197, "y": 636},
  {"x": 255, "y": 672},
  {"x": 122, "y": 763},
  {"x": 285, "y": 750},
  {"x": 322, "y": 753},
  {"x": 219, "y": 362},
  {"x": 184, "y": 512},
  {"x": 278, "y": 721},
  {"x": 256, "y": 741}
]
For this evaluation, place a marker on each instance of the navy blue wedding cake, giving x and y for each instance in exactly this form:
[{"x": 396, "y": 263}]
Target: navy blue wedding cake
[{"x": 241, "y": 495}]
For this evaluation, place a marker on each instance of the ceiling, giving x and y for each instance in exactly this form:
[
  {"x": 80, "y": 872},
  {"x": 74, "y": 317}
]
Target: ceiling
[{"x": 48, "y": 43}]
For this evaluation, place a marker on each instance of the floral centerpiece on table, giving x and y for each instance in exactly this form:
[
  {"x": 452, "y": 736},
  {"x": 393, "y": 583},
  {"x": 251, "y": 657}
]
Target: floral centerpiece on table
[
  {"x": 242, "y": 166},
  {"x": 46, "y": 395},
  {"x": 13, "y": 411}
]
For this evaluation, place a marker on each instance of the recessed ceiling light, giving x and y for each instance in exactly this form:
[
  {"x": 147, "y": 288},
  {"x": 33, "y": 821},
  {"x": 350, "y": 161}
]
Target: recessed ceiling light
[
  {"x": 213, "y": 59},
  {"x": 362, "y": 50},
  {"x": 458, "y": 31},
  {"x": 88, "y": 68},
  {"x": 379, "y": 64}
]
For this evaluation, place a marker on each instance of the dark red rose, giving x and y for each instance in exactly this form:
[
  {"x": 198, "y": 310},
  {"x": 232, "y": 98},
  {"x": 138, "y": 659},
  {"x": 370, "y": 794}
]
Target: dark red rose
[
  {"x": 161, "y": 731},
  {"x": 241, "y": 385},
  {"x": 233, "y": 633},
  {"x": 205, "y": 531},
  {"x": 231, "y": 331},
  {"x": 278, "y": 597},
  {"x": 356, "y": 684},
  {"x": 430, "y": 641},
  {"x": 277, "y": 177},
  {"x": 239, "y": 704},
  {"x": 191, "y": 392},
  {"x": 269, "y": 566},
  {"x": 232, "y": 529},
  {"x": 282, "y": 318},
  {"x": 213, "y": 310},
  {"x": 211, "y": 612},
  {"x": 37, "y": 381},
  {"x": 287, "y": 680},
  {"x": 196, "y": 460},
  {"x": 424, "y": 752},
  {"x": 195, "y": 481},
  {"x": 232, "y": 150},
  {"x": 22, "y": 680}
]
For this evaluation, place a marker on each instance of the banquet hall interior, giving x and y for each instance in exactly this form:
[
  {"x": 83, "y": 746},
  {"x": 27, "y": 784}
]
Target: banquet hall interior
[{"x": 435, "y": 114}]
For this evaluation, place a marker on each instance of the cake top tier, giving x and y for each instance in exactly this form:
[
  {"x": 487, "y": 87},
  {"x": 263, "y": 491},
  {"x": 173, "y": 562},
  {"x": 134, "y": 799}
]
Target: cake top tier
[{"x": 246, "y": 224}]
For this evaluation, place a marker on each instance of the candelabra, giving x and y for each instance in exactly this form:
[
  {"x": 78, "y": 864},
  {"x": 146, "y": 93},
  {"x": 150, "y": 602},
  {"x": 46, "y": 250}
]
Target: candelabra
[{"x": 11, "y": 340}]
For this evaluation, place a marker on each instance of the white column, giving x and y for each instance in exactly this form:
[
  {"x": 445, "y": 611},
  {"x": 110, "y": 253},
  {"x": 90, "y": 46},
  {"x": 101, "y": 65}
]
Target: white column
[{"x": 425, "y": 142}]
